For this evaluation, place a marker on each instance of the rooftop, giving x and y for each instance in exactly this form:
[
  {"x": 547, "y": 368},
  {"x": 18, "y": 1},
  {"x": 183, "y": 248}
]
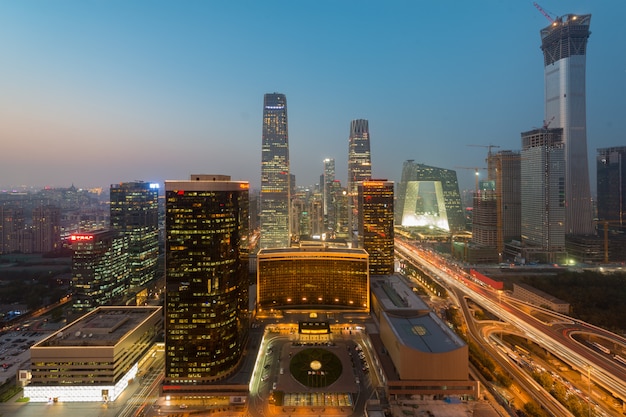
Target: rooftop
[{"x": 104, "y": 326}]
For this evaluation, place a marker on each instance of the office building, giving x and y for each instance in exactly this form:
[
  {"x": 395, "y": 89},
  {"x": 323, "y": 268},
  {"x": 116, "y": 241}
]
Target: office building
[
  {"x": 95, "y": 357},
  {"x": 100, "y": 269},
  {"x": 312, "y": 277},
  {"x": 611, "y": 180},
  {"x": 338, "y": 211},
  {"x": 611, "y": 186},
  {"x": 564, "y": 46},
  {"x": 135, "y": 214},
  {"x": 359, "y": 166},
  {"x": 327, "y": 179},
  {"x": 376, "y": 224},
  {"x": 429, "y": 197},
  {"x": 504, "y": 169},
  {"x": 275, "y": 176},
  {"x": 543, "y": 194},
  {"x": 46, "y": 228},
  {"x": 206, "y": 266}
]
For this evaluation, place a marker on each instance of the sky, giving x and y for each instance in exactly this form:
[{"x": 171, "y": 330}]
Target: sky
[{"x": 98, "y": 92}]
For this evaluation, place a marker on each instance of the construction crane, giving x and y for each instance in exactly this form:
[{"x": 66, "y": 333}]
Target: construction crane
[
  {"x": 489, "y": 147},
  {"x": 543, "y": 12},
  {"x": 546, "y": 123},
  {"x": 476, "y": 169}
]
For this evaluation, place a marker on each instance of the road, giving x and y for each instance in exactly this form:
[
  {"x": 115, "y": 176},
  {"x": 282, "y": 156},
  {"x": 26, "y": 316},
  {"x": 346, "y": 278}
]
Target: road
[{"x": 555, "y": 337}]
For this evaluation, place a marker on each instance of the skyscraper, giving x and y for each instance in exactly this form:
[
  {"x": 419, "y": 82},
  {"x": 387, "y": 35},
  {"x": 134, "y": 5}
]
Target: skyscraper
[
  {"x": 100, "y": 272},
  {"x": 135, "y": 213},
  {"x": 46, "y": 228},
  {"x": 206, "y": 310},
  {"x": 564, "y": 45},
  {"x": 376, "y": 224},
  {"x": 429, "y": 196},
  {"x": 359, "y": 166},
  {"x": 543, "y": 194},
  {"x": 328, "y": 178},
  {"x": 504, "y": 168},
  {"x": 611, "y": 178},
  {"x": 275, "y": 178}
]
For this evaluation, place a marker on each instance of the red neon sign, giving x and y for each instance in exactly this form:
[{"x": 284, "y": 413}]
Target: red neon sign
[{"x": 81, "y": 238}]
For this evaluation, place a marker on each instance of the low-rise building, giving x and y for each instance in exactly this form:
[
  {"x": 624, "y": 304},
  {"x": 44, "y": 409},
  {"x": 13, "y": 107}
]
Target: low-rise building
[
  {"x": 95, "y": 357},
  {"x": 419, "y": 353},
  {"x": 537, "y": 297}
]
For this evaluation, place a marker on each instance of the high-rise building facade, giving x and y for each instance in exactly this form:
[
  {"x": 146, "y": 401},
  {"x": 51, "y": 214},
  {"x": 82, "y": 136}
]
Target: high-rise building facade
[
  {"x": 543, "y": 194},
  {"x": 328, "y": 177},
  {"x": 564, "y": 45},
  {"x": 611, "y": 181},
  {"x": 206, "y": 264},
  {"x": 100, "y": 270},
  {"x": 46, "y": 228},
  {"x": 504, "y": 169},
  {"x": 429, "y": 196},
  {"x": 135, "y": 213},
  {"x": 275, "y": 178},
  {"x": 359, "y": 166},
  {"x": 376, "y": 224}
]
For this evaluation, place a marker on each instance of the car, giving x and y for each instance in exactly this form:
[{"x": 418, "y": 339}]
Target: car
[{"x": 183, "y": 406}]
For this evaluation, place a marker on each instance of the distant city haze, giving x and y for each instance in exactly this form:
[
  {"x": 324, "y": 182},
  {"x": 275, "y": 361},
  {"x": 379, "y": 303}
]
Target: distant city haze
[{"x": 97, "y": 93}]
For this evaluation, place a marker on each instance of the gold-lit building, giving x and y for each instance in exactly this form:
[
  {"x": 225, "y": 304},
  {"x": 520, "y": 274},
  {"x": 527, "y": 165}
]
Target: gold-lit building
[
  {"x": 206, "y": 266},
  {"x": 376, "y": 224},
  {"x": 312, "y": 277}
]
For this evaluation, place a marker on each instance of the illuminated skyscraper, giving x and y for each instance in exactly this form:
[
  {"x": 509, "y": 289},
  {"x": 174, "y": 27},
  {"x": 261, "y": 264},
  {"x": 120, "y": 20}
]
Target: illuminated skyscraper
[
  {"x": 429, "y": 196},
  {"x": 100, "y": 272},
  {"x": 376, "y": 224},
  {"x": 328, "y": 178},
  {"x": 135, "y": 213},
  {"x": 206, "y": 265},
  {"x": 274, "y": 210},
  {"x": 359, "y": 166},
  {"x": 564, "y": 45}
]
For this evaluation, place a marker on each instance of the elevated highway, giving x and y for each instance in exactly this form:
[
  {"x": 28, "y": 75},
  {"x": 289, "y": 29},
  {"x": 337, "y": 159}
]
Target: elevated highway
[{"x": 554, "y": 336}]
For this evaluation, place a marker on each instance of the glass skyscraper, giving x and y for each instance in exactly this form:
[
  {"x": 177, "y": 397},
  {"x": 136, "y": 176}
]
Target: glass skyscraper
[
  {"x": 275, "y": 178},
  {"x": 429, "y": 196},
  {"x": 100, "y": 273},
  {"x": 564, "y": 45},
  {"x": 206, "y": 308},
  {"x": 135, "y": 213},
  {"x": 611, "y": 179},
  {"x": 359, "y": 166}
]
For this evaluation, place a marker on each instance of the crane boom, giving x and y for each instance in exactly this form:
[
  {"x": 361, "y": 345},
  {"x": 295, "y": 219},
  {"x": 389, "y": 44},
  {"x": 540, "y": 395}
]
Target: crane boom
[{"x": 543, "y": 12}]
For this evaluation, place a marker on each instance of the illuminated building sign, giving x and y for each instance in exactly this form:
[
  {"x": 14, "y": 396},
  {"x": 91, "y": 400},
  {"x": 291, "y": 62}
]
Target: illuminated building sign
[
  {"x": 154, "y": 185},
  {"x": 279, "y": 107},
  {"x": 244, "y": 186},
  {"x": 81, "y": 238}
]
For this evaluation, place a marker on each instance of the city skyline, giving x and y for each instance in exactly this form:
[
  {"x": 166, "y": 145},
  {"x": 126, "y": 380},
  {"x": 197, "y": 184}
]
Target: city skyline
[{"x": 178, "y": 88}]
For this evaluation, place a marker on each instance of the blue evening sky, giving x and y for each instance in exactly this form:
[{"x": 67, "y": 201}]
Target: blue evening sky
[{"x": 96, "y": 92}]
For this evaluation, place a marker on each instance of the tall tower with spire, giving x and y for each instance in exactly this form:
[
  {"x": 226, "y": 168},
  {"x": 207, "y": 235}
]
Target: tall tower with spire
[
  {"x": 359, "y": 166},
  {"x": 275, "y": 179}
]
